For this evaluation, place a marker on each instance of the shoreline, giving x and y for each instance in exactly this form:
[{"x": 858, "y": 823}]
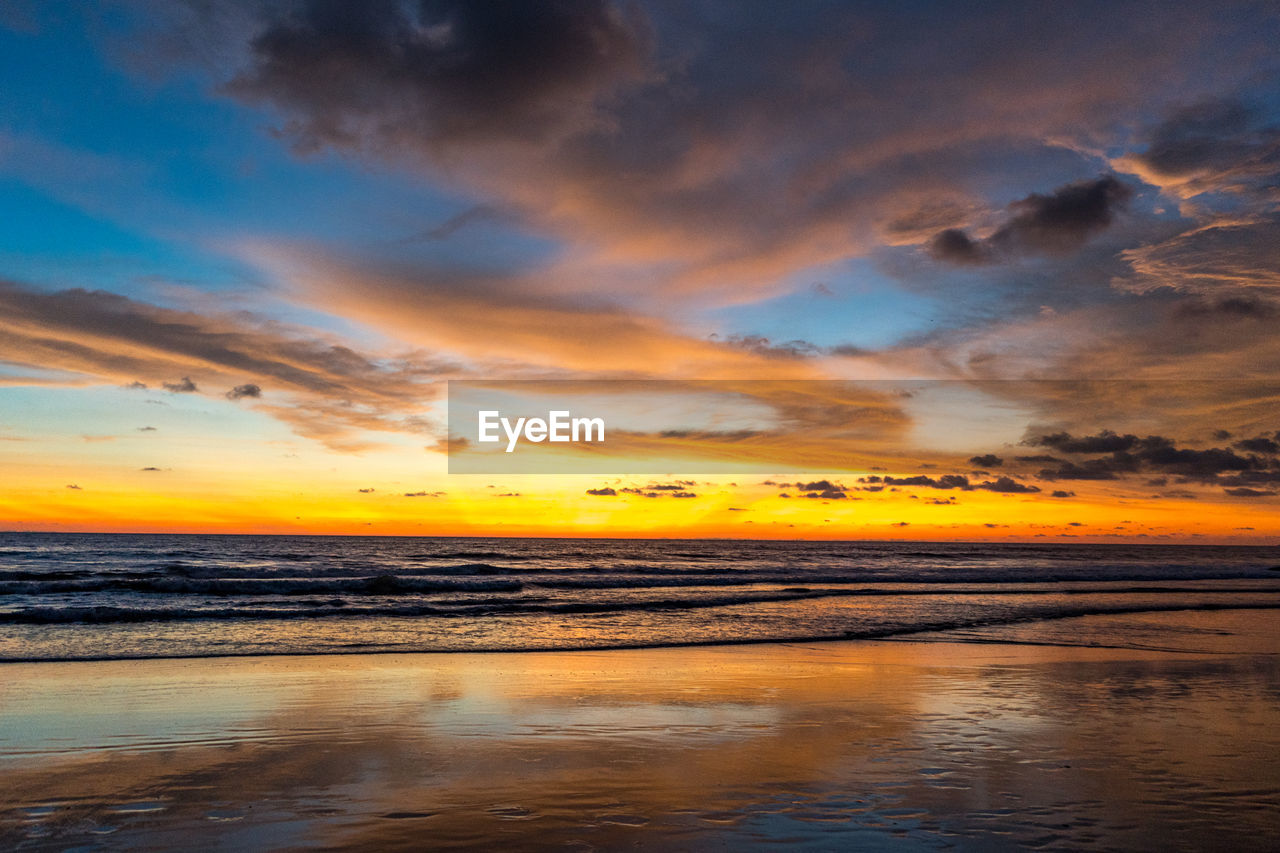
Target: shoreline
[{"x": 891, "y": 636}]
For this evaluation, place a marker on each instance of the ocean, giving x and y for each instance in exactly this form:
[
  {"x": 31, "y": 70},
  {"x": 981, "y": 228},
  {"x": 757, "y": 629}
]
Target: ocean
[{"x": 123, "y": 596}]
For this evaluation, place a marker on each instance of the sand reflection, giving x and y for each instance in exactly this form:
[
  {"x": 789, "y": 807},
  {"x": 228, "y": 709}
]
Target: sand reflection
[{"x": 827, "y": 744}]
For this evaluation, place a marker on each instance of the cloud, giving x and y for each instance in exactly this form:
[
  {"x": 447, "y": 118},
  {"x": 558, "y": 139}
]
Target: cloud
[
  {"x": 1094, "y": 469},
  {"x": 480, "y": 213},
  {"x": 1005, "y": 485},
  {"x": 328, "y": 390},
  {"x": 947, "y": 481},
  {"x": 73, "y": 487},
  {"x": 241, "y": 391},
  {"x": 1215, "y": 145},
  {"x": 761, "y": 345},
  {"x": 1244, "y": 492},
  {"x": 603, "y": 492},
  {"x": 1041, "y": 224},
  {"x": 645, "y": 143},
  {"x": 423, "y": 494},
  {"x": 653, "y": 490},
  {"x": 1008, "y": 486},
  {"x": 1260, "y": 444},
  {"x": 439, "y": 73},
  {"x": 1104, "y": 442},
  {"x": 647, "y": 135},
  {"x": 987, "y": 460},
  {"x": 1234, "y": 262},
  {"x": 1153, "y": 453},
  {"x": 521, "y": 319},
  {"x": 366, "y": 491}
]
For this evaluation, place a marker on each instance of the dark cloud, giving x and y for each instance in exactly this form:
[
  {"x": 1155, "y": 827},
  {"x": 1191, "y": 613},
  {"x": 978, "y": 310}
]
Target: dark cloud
[
  {"x": 765, "y": 347},
  {"x": 1244, "y": 492},
  {"x": 1241, "y": 307},
  {"x": 1104, "y": 442},
  {"x": 186, "y": 386},
  {"x": 150, "y": 469},
  {"x": 1094, "y": 469},
  {"x": 1007, "y": 485},
  {"x": 947, "y": 481},
  {"x": 816, "y": 486},
  {"x": 146, "y": 429},
  {"x": 241, "y": 391},
  {"x": 1042, "y": 224},
  {"x": 73, "y": 487},
  {"x": 678, "y": 489},
  {"x": 366, "y": 491},
  {"x": 423, "y": 494},
  {"x": 828, "y": 494},
  {"x": 478, "y": 214},
  {"x": 438, "y": 71},
  {"x": 1064, "y": 219},
  {"x": 956, "y": 247},
  {"x": 817, "y": 489},
  {"x": 986, "y": 460},
  {"x": 603, "y": 492},
  {"x": 1260, "y": 444},
  {"x": 1153, "y": 453},
  {"x": 1059, "y": 493},
  {"x": 848, "y": 351},
  {"x": 1218, "y": 144},
  {"x": 709, "y": 434}
]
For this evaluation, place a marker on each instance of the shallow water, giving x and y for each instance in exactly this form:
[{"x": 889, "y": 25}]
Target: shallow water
[
  {"x": 824, "y": 746},
  {"x": 143, "y": 596}
]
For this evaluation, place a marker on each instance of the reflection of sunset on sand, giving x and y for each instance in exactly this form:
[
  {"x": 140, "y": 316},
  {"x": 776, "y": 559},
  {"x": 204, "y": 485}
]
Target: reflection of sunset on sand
[{"x": 821, "y": 744}]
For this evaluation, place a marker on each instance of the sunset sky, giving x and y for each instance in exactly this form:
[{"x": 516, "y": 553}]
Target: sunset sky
[{"x": 243, "y": 245}]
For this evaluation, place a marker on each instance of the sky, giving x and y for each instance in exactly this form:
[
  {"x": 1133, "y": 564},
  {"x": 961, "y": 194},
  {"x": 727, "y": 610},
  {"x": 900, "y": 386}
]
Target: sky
[{"x": 246, "y": 244}]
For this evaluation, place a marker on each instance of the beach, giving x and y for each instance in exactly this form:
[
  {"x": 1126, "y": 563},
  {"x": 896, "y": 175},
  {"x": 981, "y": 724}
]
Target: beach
[{"x": 1008, "y": 737}]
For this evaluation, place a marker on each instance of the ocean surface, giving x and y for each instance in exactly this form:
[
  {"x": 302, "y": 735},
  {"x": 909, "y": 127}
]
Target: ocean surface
[{"x": 113, "y": 596}]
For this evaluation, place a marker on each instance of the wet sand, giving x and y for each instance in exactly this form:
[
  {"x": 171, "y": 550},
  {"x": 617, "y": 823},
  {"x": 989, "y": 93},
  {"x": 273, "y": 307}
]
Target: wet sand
[{"x": 1017, "y": 738}]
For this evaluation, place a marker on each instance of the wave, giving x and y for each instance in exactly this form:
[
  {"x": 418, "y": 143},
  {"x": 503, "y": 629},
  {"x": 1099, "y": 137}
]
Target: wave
[
  {"x": 869, "y": 633},
  {"x": 100, "y": 614},
  {"x": 469, "y": 555},
  {"x": 375, "y": 585},
  {"x": 268, "y": 584}
]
